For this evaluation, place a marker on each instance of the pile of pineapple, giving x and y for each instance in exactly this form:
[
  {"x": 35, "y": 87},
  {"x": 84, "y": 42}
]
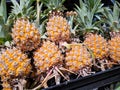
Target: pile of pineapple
[{"x": 42, "y": 42}]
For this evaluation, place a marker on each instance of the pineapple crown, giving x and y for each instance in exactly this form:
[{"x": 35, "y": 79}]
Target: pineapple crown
[
  {"x": 4, "y": 25},
  {"x": 22, "y": 9},
  {"x": 54, "y": 5},
  {"x": 112, "y": 17},
  {"x": 88, "y": 15}
]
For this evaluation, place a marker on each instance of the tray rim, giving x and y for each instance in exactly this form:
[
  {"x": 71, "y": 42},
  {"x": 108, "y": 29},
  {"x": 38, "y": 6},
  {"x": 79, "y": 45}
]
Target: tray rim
[{"x": 97, "y": 77}]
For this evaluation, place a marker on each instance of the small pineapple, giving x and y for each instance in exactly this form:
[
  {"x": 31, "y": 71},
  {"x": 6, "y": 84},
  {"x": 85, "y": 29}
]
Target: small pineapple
[
  {"x": 48, "y": 60},
  {"x": 13, "y": 63},
  {"x": 114, "y": 50},
  {"x": 57, "y": 26},
  {"x": 97, "y": 44},
  {"x": 78, "y": 58},
  {"x": 47, "y": 56},
  {"x": 24, "y": 33},
  {"x": 113, "y": 20},
  {"x": 58, "y": 29}
]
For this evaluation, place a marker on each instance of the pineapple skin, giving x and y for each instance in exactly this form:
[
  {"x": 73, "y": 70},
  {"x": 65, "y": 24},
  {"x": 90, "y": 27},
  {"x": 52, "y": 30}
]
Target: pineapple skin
[
  {"x": 98, "y": 45},
  {"x": 47, "y": 56},
  {"x": 58, "y": 29},
  {"x": 25, "y": 35},
  {"x": 113, "y": 46},
  {"x": 14, "y": 63},
  {"x": 6, "y": 86},
  {"x": 77, "y": 58}
]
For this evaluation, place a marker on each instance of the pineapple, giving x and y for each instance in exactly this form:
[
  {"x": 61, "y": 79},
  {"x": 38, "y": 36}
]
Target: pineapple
[
  {"x": 97, "y": 44},
  {"x": 114, "y": 44},
  {"x": 47, "y": 56},
  {"x": 58, "y": 29},
  {"x": 24, "y": 33},
  {"x": 57, "y": 26},
  {"x": 13, "y": 64},
  {"x": 113, "y": 20},
  {"x": 78, "y": 62}
]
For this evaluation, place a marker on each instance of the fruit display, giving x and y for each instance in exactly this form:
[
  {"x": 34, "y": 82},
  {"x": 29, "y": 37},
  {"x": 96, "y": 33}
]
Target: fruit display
[{"x": 42, "y": 43}]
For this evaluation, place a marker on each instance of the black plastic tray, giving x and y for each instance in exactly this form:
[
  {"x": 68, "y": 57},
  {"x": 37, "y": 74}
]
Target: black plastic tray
[{"x": 90, "y": 82}]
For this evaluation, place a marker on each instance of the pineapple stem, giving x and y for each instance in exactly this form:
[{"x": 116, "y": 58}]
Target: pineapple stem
[
  {"x": 85, "y": 72},
  {"x": 50, "y": 77},
  {"x": 57, "y": 77},
  {"x": 64, "y": 69},
  {"x": 61, "y": 73}
]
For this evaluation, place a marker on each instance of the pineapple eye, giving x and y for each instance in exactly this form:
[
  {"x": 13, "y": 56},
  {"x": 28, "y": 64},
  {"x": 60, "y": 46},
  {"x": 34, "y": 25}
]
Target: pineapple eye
[
  {"x": 1, "y": 69},
  {"x": 20, "y": 59},
  {"x": 26, "y": 36},
  {"x": 27, "y": 29},
  {"x": 25, "y": 65},
  {"x": 31, "y": 33},
  {"x": 21, "y": 33},
  {"x": 10, "y": 60},
  {"x": 11, "y": 72},
  {"x": 47, "y": 61},
  {"x": 15, "y": 64},
  {"x": 20, "y": 71},
  {"x": 5, "y": 66}
]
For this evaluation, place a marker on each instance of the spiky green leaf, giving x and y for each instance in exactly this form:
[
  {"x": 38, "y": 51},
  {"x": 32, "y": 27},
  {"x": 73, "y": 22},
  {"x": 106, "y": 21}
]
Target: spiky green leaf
[
  {"x": 87, "y": 12},
  {"x": 112, "y": 17},
  {"x": 3, "y": 11}
]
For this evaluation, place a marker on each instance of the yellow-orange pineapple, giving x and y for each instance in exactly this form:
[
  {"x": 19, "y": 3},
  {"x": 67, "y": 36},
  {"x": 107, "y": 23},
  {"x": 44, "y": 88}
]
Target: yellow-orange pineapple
[
  {"x": 58, "y": 29},
  {"x": 47, "y": 56},
  {"x": 97, "y": 44},
  {"x": 114, "y": 27},
  {"x": 77, "y": 58},
  {"x": 114, "y": 50},
  {"x": 14, "y": 63},
  {"x": 25, "y": 35}
]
